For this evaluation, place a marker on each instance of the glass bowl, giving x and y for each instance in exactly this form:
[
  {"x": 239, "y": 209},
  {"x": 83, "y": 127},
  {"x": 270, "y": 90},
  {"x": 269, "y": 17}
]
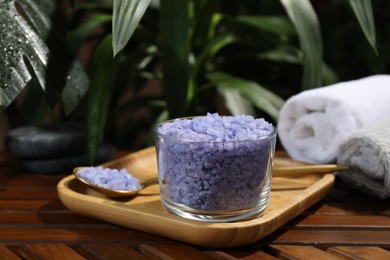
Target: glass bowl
[{"x": 215, "y": 181}]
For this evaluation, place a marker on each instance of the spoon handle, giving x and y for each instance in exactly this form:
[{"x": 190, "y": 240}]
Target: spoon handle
[
  {"x": 307, "y": 169},
  {"x": 149, "y": 182}
]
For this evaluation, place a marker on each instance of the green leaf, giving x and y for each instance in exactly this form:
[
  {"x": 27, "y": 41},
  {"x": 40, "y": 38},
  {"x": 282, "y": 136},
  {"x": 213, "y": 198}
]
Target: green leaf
[
  {"x": 144, "y": 101},
  {"x": 31, "y": 46},
  {"x": 77, "y": 36},
  {"x": 271, "y": 24},
  {"x": 235, "y": 102},
  {"x": 174, "y": 41},
  {"x": 329, "y": 76},
  {"x": 203, "y": 19},
  {"x": 77, "y": 83},
  {"x": 126, "y": 16},
  {"x": 94, "y": 5},
  {"x": 262, "y": 98},
  {"x": 306, "y": 23},
  {"x": 211, "y": 49},
  {"x": 204, "y": 59},
  {"x": 287, "y": 54},
  {"x": 163, "y": 116},
  {"x": 257, "y": 95},
  {"x": 18, "y": 42},
  {"x": 64, "y": 74},
  {"x": 363, "y": 12},
  {"x": 102, "y": 82}
]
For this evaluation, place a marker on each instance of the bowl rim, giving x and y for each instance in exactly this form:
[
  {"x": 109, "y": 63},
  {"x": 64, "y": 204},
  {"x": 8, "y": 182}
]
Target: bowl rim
[{"x": 157, "y": 134}]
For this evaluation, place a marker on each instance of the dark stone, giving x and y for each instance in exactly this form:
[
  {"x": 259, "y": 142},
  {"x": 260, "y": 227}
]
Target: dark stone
[
  {"x": 46, "y": 141},
  {"x": 106, "y": 152}
]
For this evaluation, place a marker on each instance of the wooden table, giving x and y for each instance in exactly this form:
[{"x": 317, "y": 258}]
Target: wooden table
[{"x": 35, "y": 225}]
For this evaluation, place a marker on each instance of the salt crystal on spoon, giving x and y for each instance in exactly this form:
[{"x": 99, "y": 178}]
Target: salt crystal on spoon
[{"x": 108, "y": 178}]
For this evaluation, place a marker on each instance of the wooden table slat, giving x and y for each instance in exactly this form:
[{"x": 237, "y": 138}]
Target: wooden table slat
[
  {"x": 54, "y": 251},
  {"x": 301, "y": 252},
  {"x": 28, "y": 205},
  {"x": 244, "y": 253},
  {"x": 172, "y": 251},
  {"x": 331, "y": 207},
  {"x": 325, "y": 237},
  {"x": 30, "y": 181},
  {"x": 63, "y": 235},
  {"x": 367, "y": 253},
  {"x": 29, "y": 194},
  {"x": 361, "y": 200},
  {"x": 346, "y": 221},
  {"x": 50, "y": 218},
  {"x": 110, "y": 251},
  {"x": 6, "y": 253}
]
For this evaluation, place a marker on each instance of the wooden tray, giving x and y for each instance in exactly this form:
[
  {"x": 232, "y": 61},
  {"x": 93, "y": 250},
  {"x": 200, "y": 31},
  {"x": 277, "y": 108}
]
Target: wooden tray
[{"x": 290, "y": 196}]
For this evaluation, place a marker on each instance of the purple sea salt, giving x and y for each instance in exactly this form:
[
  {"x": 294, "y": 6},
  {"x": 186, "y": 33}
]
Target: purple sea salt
[
  {"x": 214, "y": 163},
  {"x": 112, "y": 179}
]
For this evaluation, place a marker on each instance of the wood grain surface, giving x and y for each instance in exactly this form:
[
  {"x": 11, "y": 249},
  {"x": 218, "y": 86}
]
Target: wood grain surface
[
  {"x": 35, "y": 224},
  {"x": 289, "y": 197}
]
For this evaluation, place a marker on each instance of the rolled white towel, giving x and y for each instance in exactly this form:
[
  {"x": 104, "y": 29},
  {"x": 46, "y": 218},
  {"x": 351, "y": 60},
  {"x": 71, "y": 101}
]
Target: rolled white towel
[
  {"x": 313, "y": 123},
  {"x": 367, "y": 152}
]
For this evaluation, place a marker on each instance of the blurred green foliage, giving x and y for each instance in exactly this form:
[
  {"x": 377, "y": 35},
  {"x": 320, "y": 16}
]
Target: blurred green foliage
[{"x": 147, "y": 61}]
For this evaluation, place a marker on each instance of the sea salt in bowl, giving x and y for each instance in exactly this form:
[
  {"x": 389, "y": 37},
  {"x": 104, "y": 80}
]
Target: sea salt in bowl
[{"x": 215, "y": 169}]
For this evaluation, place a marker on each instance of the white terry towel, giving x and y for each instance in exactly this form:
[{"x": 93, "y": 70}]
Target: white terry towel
[
  {"x": 367, "y": 152},
  {"x": 313, "y": 123}
]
